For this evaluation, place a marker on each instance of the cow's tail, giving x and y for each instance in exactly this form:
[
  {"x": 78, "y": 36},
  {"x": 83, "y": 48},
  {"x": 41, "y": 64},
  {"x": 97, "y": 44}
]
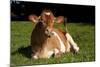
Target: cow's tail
[{"x": 65, "y": 24}]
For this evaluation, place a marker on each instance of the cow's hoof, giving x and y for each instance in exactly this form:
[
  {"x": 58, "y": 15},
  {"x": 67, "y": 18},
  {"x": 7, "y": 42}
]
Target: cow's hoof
[
  {"x": 34, "y": 57},
  {"x": 76, "y": 50}
]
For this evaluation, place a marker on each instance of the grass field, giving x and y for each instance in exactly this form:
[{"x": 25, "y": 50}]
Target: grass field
[{"x": 83, "y": 34}]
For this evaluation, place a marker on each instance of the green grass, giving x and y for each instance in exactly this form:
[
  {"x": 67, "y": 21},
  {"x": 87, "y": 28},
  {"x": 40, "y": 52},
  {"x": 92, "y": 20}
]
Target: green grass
[{"x": 83, "y": 34}]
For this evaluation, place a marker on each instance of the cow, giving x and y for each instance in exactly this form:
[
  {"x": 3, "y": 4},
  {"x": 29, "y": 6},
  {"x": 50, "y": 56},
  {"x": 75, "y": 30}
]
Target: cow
[{"x": 46, "y": 40}]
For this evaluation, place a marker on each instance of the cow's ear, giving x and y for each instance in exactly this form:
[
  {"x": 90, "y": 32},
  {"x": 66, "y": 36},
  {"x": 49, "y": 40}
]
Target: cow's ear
[
  {"x": 59, "y": 19},
  {"x": 33, "y": 18}
]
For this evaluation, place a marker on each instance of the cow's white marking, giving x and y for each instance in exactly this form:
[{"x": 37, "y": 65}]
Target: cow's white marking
[
  {"x": 56, "y": 51},
  {"x": 47, "y": 13},
  {"x": 35, "y": 57},
  {"x": 61, "y": 43},
  {"x": 71, "y": 41},
  {"x": 50, "y": 53}
]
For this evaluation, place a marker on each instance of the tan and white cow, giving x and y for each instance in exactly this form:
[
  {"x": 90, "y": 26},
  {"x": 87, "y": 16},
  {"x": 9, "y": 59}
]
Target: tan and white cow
[{"x": 47, "y": 40}]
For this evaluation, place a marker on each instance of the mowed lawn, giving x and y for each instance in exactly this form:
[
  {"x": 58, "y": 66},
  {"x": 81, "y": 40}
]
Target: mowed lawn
[{"x": 83, "y": 34}]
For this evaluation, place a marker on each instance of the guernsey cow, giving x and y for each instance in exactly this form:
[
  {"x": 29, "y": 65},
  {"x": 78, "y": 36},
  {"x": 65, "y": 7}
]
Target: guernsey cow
[{"x": 47, "y": 40}]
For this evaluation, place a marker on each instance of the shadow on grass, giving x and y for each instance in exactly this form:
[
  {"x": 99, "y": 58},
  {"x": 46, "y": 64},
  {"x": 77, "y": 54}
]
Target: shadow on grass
[{"x": 25, "y": 51}]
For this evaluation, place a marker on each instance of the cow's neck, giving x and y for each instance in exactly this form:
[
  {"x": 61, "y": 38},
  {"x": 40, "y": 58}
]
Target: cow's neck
[{"x": 40, "y": 33}]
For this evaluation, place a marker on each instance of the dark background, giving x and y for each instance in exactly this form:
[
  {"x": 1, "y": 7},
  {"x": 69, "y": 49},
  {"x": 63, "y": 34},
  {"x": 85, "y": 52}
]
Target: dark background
[{"x": 20, "y": 10}]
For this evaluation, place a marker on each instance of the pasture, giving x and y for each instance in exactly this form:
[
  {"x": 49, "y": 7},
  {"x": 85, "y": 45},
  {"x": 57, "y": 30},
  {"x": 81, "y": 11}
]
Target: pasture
[{"x": 82, "y": 33}]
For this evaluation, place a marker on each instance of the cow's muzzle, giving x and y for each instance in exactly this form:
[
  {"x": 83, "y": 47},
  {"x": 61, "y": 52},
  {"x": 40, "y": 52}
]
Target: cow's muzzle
[{"x": 48, "y": 33}]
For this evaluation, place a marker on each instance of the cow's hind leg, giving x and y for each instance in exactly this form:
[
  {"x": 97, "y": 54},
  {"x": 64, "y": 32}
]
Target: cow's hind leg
[
  {"x": 72, "y": 43},
  {"x": 68, "y": 47}
]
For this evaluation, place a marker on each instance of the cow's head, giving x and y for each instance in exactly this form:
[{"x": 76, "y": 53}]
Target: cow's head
[{"x": 47, "y": 18}]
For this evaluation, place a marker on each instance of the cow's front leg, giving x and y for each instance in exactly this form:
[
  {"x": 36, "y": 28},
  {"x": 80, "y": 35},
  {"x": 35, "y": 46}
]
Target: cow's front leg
[
  {"x": 34, "y": 56},
  {"x": 72, "y": 43},
  {"x": 57, "y": 53}
]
